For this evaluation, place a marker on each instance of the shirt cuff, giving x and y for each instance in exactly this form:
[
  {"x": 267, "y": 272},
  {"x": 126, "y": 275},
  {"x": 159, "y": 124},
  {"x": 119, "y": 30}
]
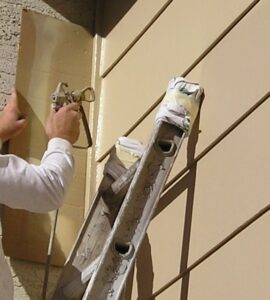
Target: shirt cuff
[{"x": 59, "y": 143}]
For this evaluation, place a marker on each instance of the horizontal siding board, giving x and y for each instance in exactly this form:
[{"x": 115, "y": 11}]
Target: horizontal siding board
[
  {"x": 142, "y": 75},
  {"x": 240, "y": 271},
  {"x": 232, "y": 183},
  {"x": 232, "y": 180},
  {"x": 233, "y": 82},
  {"x": 128, "y": 29}
]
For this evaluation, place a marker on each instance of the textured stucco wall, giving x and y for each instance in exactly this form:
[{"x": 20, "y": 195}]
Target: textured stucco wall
[
  {"x": 28, "y": 280},
  {"x": 80, "y": 12},
  {"x": 10, "y": 15}
]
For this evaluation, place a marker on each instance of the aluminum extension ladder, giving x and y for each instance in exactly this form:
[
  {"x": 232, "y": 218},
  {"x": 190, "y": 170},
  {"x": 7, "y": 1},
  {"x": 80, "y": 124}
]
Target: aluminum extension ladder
[
  {"x": 130, "y": 196},
  {"x": 97, "y": 226}
]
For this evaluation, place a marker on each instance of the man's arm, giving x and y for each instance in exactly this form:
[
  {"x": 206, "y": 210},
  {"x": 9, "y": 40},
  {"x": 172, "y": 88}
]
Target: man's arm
[
  {"x": 40, "y": 188},
  {"x": 37, "y": 188}
]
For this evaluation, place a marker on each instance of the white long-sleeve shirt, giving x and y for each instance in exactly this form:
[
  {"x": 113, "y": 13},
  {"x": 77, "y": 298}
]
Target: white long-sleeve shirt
[{"x": 34, "y": 188}]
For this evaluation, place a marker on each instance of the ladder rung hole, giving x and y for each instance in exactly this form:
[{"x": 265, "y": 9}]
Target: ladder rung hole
[
  {"x": 166, "y": 146},
  {"x": 122, "y": 249}
]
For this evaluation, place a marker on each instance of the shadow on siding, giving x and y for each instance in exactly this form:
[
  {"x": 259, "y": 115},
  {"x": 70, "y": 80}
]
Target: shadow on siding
[{"x": 97, "y": 16}]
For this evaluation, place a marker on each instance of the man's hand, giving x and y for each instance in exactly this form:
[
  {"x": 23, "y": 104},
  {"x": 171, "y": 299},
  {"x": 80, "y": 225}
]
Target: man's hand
[
  {"x": 65, "y": 123},
  {"x": 10, "y": 123}
]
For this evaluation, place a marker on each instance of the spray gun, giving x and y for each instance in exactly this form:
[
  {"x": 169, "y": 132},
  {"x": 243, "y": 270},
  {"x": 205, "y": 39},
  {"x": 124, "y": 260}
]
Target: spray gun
[{"x": 60, "y": 97}]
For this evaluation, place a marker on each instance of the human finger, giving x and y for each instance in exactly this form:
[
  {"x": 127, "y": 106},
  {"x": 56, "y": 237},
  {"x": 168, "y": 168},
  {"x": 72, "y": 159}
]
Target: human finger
[
  {"x": 12, "y": 103},
  {"x": 12, "y": 106},
  {"x": 72, "y": 106}
]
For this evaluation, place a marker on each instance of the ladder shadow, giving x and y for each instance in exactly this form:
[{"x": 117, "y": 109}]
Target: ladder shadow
[
  {"x": 187, "y": 182},
  {"x": 78, "y": 12},
  {"x": 145, "y": 273},
  {"x": 191, "y": 182}
]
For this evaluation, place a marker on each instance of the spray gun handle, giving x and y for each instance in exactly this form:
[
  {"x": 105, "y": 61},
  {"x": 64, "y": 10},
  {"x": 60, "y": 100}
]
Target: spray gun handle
[
  {"x": 61, "y": 97},
  {"x": 80, "y": 96}
]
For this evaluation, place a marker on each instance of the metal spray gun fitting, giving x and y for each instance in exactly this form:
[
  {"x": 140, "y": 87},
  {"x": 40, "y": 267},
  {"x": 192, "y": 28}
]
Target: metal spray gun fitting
[{"x": 60, "y": 97}]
